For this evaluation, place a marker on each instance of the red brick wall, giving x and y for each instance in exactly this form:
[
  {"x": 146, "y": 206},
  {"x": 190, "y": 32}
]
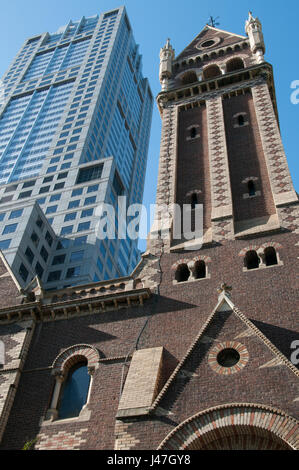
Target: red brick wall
[
  {"x": 266, "y": 296},
  {"x": 193, "y": 160},
  {"x": 246, "y": 159}
]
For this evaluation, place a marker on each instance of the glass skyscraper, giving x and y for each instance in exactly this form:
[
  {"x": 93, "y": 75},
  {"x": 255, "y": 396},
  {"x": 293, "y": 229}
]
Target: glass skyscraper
[{"x": 74, "y": 132}]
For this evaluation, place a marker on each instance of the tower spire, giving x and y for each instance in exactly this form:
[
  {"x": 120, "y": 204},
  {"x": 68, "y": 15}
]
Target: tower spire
[
  {"x": 253, "y": 28},
  {"x": 166, "y": 58}
]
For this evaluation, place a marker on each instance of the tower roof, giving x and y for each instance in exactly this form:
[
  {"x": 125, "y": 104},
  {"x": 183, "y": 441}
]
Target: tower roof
[{"x": 208, "y": 39}]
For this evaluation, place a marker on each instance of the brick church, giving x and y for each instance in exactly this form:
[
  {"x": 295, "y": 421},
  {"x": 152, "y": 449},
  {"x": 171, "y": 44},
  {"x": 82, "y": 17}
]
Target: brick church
[{"x": 196, "y": 349}]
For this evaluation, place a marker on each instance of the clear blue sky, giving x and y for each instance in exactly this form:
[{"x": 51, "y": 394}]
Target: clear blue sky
[{"x": 156, "y": 20}]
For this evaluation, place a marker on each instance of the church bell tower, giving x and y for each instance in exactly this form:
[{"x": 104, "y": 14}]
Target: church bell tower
[{"x": 221, "y": 145}]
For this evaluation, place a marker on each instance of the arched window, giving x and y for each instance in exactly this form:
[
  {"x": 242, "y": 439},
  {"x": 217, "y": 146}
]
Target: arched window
[
  {"x": 211, "y": 72},
  {"x": 188, "y": 77},
  {"x": 251, "y": 188},
  {"x": 234, "y": 64},
  {"x": 182, "y": 273},
  {"x": 194, "y": 200},
  {"x": 74, "y": 391},
  {"x": 200, "y": 270},
  {"x": 252, "y": 260},
  {"x": 270, "y": 256}
]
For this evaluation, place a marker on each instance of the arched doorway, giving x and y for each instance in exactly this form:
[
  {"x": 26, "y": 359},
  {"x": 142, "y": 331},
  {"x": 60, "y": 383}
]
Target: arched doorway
[{"x": 235, "y": 427}]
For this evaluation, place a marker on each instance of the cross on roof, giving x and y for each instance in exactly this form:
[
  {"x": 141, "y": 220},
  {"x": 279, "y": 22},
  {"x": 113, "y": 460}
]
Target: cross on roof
[{"x": 213, "y": 21}]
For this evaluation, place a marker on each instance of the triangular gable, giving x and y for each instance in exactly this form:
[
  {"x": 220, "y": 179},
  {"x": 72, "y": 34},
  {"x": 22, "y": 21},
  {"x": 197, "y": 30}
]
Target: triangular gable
[
  {"x": 226, "y": 306},
  {"x": 223, "y": 39}
]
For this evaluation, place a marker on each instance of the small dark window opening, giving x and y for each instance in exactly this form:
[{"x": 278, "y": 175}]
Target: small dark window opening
[
  {"x": 193, "y": 132},
  {"x": 200, "y": 270},
  {"x": 241, "y": 120},
  {"x": 252, "y": 260},
  {"x": 270, "y": 256},
  {"x": 29, "y": 255},
  {"x": 194, "y": 200},
  {"x": 208, "y": 43},
  {"x": 23, "y": 272},
  {"x": 182, "y": 273},
  {"x": 228, "y": 357},
  {"x": 251, "y": 188}
]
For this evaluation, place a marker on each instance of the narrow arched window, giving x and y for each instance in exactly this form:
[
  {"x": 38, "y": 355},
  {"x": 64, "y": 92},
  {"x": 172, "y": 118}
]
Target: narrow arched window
[
  {"x": 251, "y": 188},
  {"x": 252, "y": 260},
  {"x": 182, "y": 273},
  {"x": 193, "y": 132},
  {"x": 270, "y": 256},
  {"x": 74, "y": 391},
  {"x": 200, "y": 270},
  {"x": 194, "y": 200},
  {"x": 241, "y": 120}
]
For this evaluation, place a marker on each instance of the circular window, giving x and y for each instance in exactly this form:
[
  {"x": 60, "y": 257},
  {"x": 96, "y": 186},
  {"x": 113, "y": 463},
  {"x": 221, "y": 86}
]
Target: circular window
[
  {"x": 208, "y": 43},
  {"x": 228, "y": 357}
]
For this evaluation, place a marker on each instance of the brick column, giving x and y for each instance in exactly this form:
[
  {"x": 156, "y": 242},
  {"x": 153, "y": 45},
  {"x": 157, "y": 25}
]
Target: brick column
[
  {"x": 221, "y": 197},
  {"x": 167, "y": 171},
  {"x": 16, "y": 339},
  {"x": 280, "y": 178}
]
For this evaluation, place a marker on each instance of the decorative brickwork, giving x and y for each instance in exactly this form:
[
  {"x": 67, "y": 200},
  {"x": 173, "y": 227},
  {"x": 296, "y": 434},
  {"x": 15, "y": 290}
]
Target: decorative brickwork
[
  {"x": 221, "y": 427},
  {"x": 62, "y": 440},
  {"x": 289, "y": 217},
  {"x": 174, "y": 364},
  {"x": 70, "y": 356},
  {"x": 204, "y": 258},
  {"x": 273, "y": 149},
  {"x": 16, "y": 339},
  {"x": 240, "y": 348},
  {"x": 124, "y": 440},
  {"x": 275, "y": 245},
  {"x": 167, "y": 170},
  {"x": 220, "y": 180},
  {"x": 223, "y": 230}
]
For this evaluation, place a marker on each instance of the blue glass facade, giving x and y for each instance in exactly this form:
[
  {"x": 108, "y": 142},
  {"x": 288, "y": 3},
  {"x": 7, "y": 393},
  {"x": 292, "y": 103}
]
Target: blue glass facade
[
  {"x": 28, "y": 126},
  {"x": 74, "y": 132}
]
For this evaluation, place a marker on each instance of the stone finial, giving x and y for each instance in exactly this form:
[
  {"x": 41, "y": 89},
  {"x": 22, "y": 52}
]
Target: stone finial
[
  {"x": 166, "y": 58},
  {"x": 253, "y": 28},
  {"x": 224, "y": 288}
]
